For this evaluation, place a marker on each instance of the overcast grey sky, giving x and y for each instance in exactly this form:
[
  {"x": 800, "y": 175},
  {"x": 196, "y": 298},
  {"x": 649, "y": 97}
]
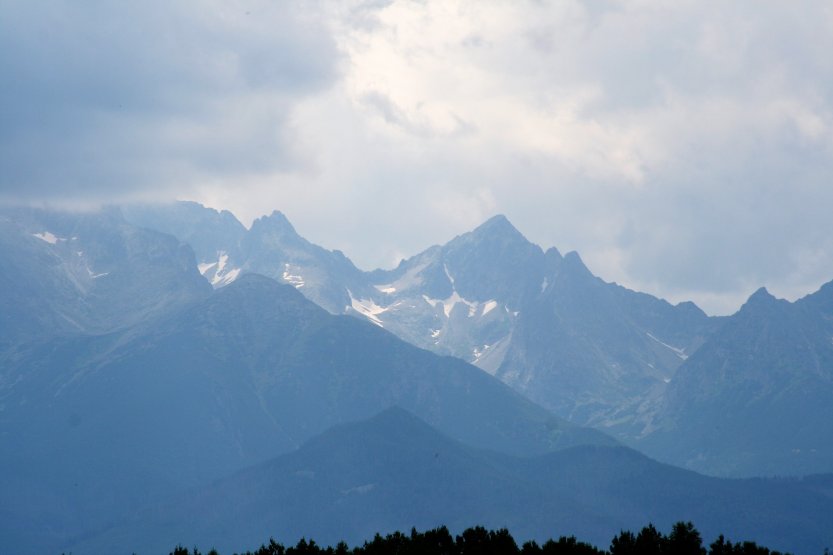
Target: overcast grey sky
[{"x": 683, "y": 148}]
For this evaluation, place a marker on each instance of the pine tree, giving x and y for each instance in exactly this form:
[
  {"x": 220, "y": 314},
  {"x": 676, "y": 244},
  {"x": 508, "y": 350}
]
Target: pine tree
[{"x": 684, "y": 539}]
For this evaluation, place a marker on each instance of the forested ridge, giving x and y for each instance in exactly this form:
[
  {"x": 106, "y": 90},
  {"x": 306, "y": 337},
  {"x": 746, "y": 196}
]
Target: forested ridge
[{"x": 683, "y": 539}]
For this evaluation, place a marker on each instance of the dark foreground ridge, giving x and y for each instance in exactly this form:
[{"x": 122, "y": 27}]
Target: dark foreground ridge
[{"x": 684, "y": 539}]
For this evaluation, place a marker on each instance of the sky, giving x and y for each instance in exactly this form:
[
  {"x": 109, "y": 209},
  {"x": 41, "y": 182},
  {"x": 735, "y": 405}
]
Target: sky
[{"x": 682, "y": 148}]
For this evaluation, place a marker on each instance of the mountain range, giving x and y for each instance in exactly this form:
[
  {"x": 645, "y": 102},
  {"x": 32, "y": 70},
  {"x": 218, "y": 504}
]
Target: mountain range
[
  {"x": 756, "y": 397},
  {"x": 489, "y": 297},
  {"x": 594, "y": 353},
  {"x": 70, "y": 273},
  {"x": 98, "y": 420},
  {"x": 151, "y": 356}
]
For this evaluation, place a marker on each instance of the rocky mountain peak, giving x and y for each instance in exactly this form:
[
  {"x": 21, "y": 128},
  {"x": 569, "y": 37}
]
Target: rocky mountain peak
[
  {"x": 496, "y": 228},
  {"x": 553, "y": 254},
  {"x": 821, "y": 300},
  {"x": 574, "y": 264},
  {"x": 761, "y": 300},
  {"x": 275, "y": 223}
]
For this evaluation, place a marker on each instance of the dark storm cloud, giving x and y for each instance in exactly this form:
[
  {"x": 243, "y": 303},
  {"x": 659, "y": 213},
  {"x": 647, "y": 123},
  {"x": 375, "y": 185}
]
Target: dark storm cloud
[{"x": 105, "y": 99}]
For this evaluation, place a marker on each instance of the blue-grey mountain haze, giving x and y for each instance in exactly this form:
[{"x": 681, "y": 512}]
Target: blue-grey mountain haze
[
  {"x": 593, "y": 352},
  {"x": 124, "y": 378}
]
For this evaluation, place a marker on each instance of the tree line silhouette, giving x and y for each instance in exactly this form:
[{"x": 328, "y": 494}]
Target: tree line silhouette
[{"x": 684, "y": 539}]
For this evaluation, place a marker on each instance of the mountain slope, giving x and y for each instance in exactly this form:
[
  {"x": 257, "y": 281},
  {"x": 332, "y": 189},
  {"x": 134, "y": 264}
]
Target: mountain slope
[
  {"x": 754, "y": 401},
  {"x": 591, "y": 351},
  {"x": 596, "y": 352},
  {"x": 461, "y": 298},
  {"x": 482, "y": 295},
  {"x": 273, "y": 248},
  {"x": 103, "y": 423},
  {"x": 756, "y": 398},
  {"x": 225, "y": 250},
  {"x": 67, "y": 273},
  {"x": 393, "y": 472},
  {"x": 215, "y": 236}
]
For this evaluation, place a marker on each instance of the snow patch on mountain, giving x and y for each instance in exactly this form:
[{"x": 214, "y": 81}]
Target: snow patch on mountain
[
  {"x": 491, "y": 358},
  {"x": 478, "y": 352},
  {"x": 409, "y": 279},
  {"x": 449, "y": 303},
  {"x": 222, "y": 261},
  {"x": 48, "y": 237},
  {"x": 204, "y": 267},
  {"x": 226, "y": 278},
  {"x": 296, "y": 280},
  {"x": 448, "y": 275},
  {"x": 217, "y": 273},
  {"x": 94, "y": 275},
  {"x": 679, "y": 352},
  {"x": 432, "y": 302},
  {"x": 367, "y": 308},
  {"x": 221, "y": 276}
]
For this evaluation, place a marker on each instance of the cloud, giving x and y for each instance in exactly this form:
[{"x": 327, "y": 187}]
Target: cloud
[
  {"x": 103, "y": 100},
  {"x": 685, "y": 149}
]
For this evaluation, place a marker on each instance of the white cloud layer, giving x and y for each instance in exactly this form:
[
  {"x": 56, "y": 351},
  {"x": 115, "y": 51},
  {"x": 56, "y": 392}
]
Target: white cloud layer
[{"x": 683, "y": 148}]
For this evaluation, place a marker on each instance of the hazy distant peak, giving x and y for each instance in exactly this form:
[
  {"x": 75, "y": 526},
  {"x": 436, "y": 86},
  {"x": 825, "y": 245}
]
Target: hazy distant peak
[
  {"x": 495, "y": 238},
  {"x": 393, "y": 427},
  {"x": 574, "y": 262},
  {"x": 187, "y": 205},
  {"x": 497, "y": 219},
  {"x": 761, "y": 295},
  {"x": 553, "y": 253},
  {"x": 200, "y": 210},
  {"x": 227, "y": 216},
  {"x": 690, "y": 307},
  {"x": 399, "y": 417},
  {"x": 821, "y": 299},
  {"x": 274, "y": 222},
  {"x": 761, "y": 299},
  {"x": 182, "y": 218},
  {"x": 498, "y": 225}
]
